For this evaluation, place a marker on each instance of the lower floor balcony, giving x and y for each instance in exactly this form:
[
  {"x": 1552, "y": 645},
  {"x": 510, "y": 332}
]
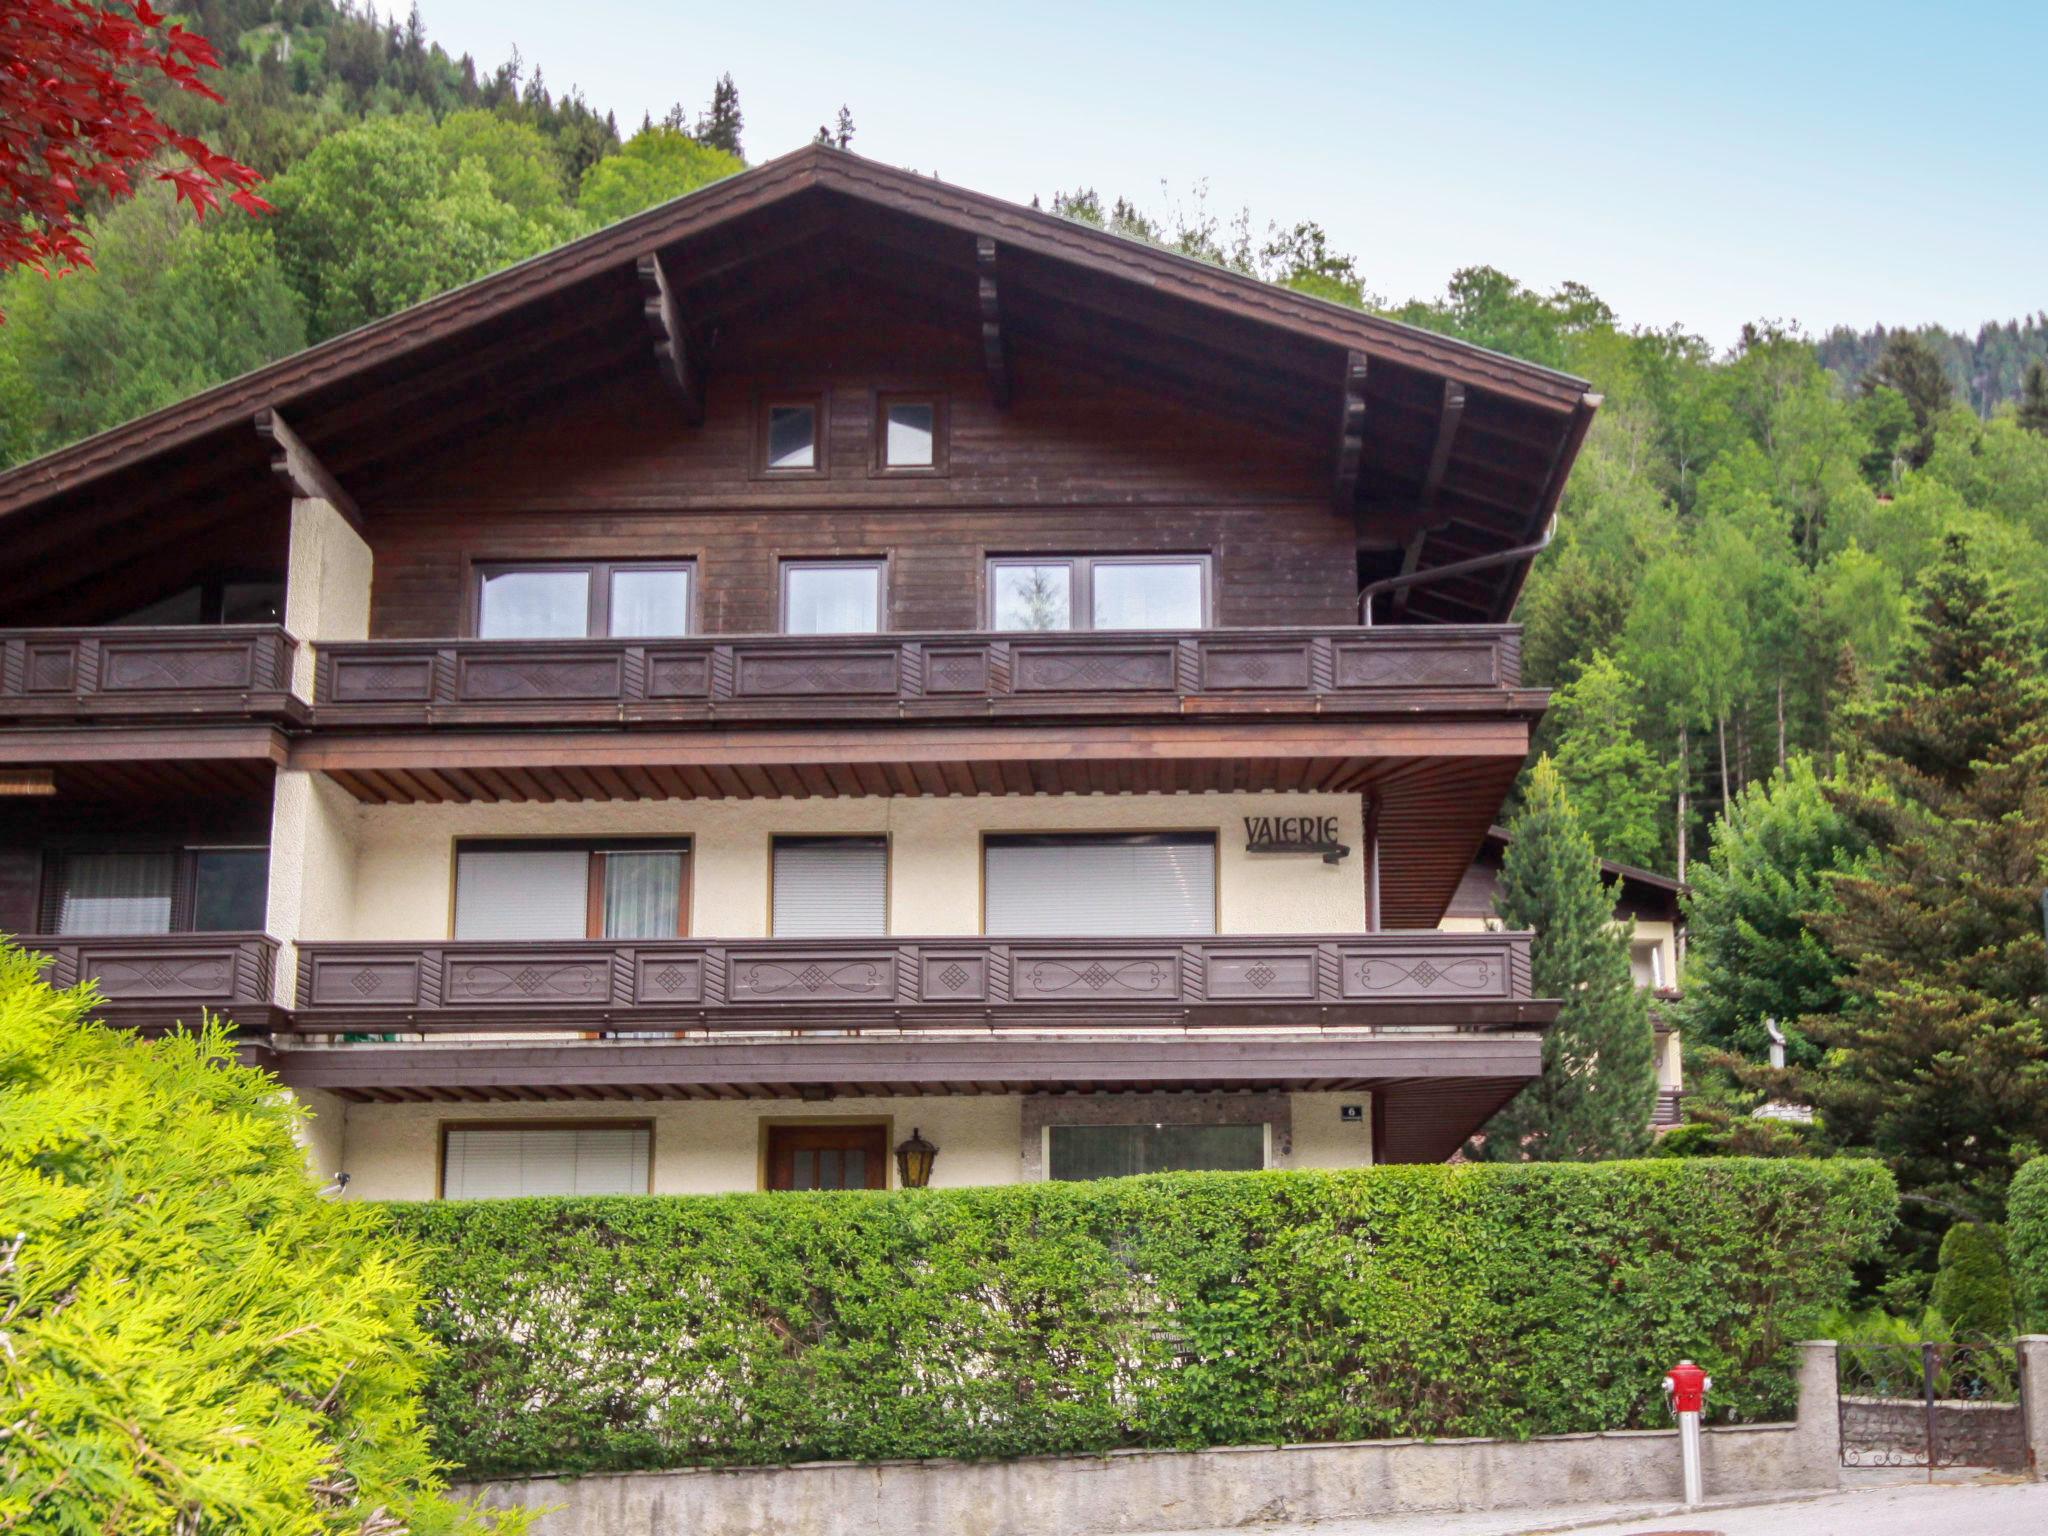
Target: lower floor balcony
[{"x": 156, "y": 981}]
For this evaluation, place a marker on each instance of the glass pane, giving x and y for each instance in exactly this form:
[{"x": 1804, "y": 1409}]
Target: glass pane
[
  {"x": 535, "y": 605},
  {"x": 522, "y": 893},
  {"x": 792, "y": 437},
  {"x": 909, "y": 443},
  {"x": 183, "y": 607},
  {"x": 1033, "y": 596},
  {"x": 1117, "y": 1151},
  {"x": 833, "y": 599},
  {"x": 1163, "y": 596},
  {"x": 116, "y": 893},
  {"x": 650, "y": 603},
  {"x": 229, "y": 888},
  {"x": 252, "y": 602},
  {"x": 643, "y": 895},
  {"x": 856, "y": 1170},
  {"x": 802, "y": 1171}
]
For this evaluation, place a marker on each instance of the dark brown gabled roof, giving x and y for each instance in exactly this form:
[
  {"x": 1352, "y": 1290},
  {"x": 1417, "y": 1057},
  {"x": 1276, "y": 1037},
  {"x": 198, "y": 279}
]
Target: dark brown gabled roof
[{"x": 1498, "y": 472}]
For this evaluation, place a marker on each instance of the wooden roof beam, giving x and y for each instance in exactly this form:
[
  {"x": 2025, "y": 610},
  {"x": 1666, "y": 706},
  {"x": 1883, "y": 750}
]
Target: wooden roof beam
[
  {"x": 300, "y": 468},
  {"x": 1350, "y": 433},
  {"x": 1447, "y": 423},
  {"x": 671, "y": 345},
  {"x": 994, "y": 358}
]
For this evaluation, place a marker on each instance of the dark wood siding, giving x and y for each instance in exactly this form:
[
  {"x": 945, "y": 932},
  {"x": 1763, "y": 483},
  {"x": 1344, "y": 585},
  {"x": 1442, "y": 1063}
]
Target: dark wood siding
[{"x": 1079, "y": 462}]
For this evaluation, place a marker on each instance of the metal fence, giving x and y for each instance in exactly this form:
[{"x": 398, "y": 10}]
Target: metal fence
[{"x": 1933, "y": 1405}]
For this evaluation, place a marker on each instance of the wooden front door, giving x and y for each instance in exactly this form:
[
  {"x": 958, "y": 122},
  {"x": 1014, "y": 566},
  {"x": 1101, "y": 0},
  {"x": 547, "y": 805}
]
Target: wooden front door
[{"x": 828, "y": 1157}]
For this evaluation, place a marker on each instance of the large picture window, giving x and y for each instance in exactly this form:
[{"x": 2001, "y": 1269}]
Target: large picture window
[
  {"x": 559, "y": 890},
  {"x": 157, "y": 890},
  {"x": 584, "y": 600},
  {"x": 503, "y": 1162},
  {"x": 1119, "y": 1151},
  {"x": 1109, "y": 886},
  {"x": 1059, "y": 592}
]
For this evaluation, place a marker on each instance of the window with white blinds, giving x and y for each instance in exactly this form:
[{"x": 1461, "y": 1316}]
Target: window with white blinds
[
  {"x": 1107, "y": 887},
  {"x": 831, "y": 887},
  {"x": 115, "y": 892},
  {"x": 502, "y": 1162},
  {"x": 522, "y": 893}
]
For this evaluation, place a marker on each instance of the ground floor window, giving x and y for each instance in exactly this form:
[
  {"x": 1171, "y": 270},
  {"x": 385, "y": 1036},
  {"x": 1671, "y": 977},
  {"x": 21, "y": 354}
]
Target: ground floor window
[
  {"x": 499, "y": 1162},
  {"x": 1114, "y": 1151},
  {"x": 828, "y": 1156}
]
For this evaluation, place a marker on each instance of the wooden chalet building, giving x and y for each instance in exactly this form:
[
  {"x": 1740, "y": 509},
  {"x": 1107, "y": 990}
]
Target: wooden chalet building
[{"x": 830, "y": 657}]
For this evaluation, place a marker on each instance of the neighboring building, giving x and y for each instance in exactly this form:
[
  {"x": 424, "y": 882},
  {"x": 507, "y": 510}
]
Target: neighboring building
[
  {"x": 1654, "y": 902},
  {"x": 828, "y": 657}
]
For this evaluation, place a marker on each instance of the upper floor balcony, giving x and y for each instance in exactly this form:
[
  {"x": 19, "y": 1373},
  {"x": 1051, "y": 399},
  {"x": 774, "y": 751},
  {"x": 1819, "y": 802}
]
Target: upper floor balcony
[{"x": 157, "y": 675}]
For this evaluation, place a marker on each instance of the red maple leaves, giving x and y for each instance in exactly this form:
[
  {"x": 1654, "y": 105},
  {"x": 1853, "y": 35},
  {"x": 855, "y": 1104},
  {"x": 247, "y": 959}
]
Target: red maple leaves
[{"x": 73, "y": 121}]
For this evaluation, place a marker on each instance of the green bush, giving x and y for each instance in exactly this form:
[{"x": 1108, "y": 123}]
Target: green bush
[
  {"x": 1181, "y": 1310},
  {"x": 2026, "y": 1210},
  {"x": 1971, "y": 1287},
  {"x": 195, "y": 1339}
]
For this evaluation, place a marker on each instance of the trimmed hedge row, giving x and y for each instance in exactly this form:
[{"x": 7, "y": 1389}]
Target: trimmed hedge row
[
  {"x": 2026, "y": 1233},
  {"x": 1182, "y": 1310}
]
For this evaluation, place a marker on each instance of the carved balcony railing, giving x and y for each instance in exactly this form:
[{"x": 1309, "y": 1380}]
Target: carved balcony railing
[
  {"x": 159, "y": 979},
  {"x": 169, "y": 674},
  {"x": 1456, "y": 980},
  {"x": 909, "y": 677}
]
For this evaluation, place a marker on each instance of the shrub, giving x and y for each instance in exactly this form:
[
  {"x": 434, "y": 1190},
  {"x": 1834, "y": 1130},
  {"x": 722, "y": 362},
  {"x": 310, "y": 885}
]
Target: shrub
[
  {"x": 195, "y": 1339},
  {"x": 1181, "y": 1310},
  {"x": 2027, "y": 1224},
  {"x": 1971, "y": 1288}
]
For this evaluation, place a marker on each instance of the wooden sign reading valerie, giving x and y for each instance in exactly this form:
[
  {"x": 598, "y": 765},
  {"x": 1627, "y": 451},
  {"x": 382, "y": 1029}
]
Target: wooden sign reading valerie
[{"x": 1294, "y": 834}]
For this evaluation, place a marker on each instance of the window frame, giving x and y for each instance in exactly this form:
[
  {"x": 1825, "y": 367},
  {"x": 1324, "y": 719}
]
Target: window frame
[
  {"x": 593, "y": 897},
  {"x": 1209, "y": 835},
  {"x": 1081, "y": 587},
  {"x": 598, "y": 613},
  {"x": 184, "y": 878},
  {"x": 591, "y": 1124},
  {"x": 879, "y": 564},
  {"x": 212, "y": 589},
  {"x": 888, "y": 873},
  {"x": 878, "y": 447},
  {"x": 821, "y": 436}
]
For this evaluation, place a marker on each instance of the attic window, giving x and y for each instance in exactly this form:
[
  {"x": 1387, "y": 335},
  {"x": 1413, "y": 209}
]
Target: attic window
[
  {"x": 790, "y": 438},
  {"x": 911, "y": 435}
]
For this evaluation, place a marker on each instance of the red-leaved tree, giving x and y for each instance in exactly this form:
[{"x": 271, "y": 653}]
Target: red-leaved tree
[{"x": 73, "y": 122}]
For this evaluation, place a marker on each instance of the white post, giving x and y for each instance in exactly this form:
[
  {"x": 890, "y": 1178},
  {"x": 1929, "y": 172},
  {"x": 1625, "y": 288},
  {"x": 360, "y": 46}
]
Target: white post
[{"x": 1689, "y": 1451}]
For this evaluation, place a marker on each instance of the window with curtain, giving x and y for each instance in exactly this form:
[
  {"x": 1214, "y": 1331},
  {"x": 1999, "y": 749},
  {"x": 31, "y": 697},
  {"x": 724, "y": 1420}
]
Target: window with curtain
[
  {"x": 540, "y": 891},
  {"x": 1057, "y": 592},
  {"x": 1081, "y": 886},
  {"x": 577, "y": 600},
  {"x": 838, "y": 597},
  {"x": 1118, "y": 1151},
  {"x": 505, "y": 1162},
  {"x": 831, "y": 887},
  {"x": 116, "y": 892}
]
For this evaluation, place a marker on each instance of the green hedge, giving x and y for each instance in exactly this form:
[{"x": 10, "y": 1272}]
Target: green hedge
[
  {"x": 1193, "y": 1309},
  {"x": 2026, "y": 1208}
]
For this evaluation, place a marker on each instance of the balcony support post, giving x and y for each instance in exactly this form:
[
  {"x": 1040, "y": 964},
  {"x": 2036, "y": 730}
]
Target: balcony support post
[{"x": 1372, "y": 862}]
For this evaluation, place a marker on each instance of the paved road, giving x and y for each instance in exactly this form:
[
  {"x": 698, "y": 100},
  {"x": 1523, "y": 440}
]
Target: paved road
[{"x": 1976, "y": 1509}]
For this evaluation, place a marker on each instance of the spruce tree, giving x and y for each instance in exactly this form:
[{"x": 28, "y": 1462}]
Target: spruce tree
[
  {"x": 1599, "y": 1078},
  {"x": 1939, "y": 1060},
  {"x": 720, "y": 126},
  {"x": 2033, "y": 410},
  {"x": 1913, "y": 368}
]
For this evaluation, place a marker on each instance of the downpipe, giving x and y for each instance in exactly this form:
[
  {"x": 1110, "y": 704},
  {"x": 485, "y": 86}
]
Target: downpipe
[{"x": 1388, "y": 584}]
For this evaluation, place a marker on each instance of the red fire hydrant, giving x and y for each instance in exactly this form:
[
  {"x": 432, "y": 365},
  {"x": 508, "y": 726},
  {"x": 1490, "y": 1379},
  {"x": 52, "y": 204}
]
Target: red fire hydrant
[{"x": 1686, "y": 1387}]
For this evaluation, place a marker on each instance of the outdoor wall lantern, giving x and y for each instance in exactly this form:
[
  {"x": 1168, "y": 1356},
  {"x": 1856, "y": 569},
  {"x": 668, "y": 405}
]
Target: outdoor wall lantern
[{"x": 914, "y": 1159}]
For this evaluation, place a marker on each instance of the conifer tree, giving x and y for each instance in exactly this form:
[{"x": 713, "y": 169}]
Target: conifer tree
[
  {"x": 720, "y": 126},
  {"x": 2034, "y": 398},
  {"x": 1913, "y": 368},
  {"x": 1599, "y": 1078},
  {"x": 1939, "y": 1061}
]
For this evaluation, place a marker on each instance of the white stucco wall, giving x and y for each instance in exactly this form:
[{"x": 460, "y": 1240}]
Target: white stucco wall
[
  {"x": 392, "y": 1151},
  {"x": 404, "y": 863},
  {"x": 327, "y": 585},
  {"x": 323, "y": 1134},
  {"x": 313, "y": 834}
]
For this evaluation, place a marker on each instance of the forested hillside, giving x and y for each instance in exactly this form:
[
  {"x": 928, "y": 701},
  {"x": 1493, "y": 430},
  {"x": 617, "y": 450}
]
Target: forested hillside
[{"x": 1739, "y": 541}]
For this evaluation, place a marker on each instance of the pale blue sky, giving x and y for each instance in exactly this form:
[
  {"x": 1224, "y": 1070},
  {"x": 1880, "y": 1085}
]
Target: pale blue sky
[{"x": 1818, "y": 162}]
